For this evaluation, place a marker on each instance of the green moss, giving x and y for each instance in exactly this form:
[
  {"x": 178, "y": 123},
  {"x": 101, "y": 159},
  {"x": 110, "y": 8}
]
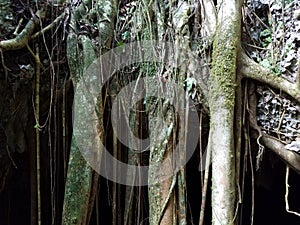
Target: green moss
[
  {"x": 222, "y": 81},
  {"x": 77, "y": 188}
]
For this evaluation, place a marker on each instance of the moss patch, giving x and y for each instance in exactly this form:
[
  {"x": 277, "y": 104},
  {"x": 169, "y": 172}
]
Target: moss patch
[{"x": 222, "y": 80}]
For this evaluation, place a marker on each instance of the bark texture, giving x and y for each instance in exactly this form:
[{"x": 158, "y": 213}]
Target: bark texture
[
  {"x": 222, "y": 102},
  {"x": 82, "y": 181}
]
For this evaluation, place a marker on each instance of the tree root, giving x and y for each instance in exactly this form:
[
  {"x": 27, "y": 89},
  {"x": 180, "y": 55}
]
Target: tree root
[
  {"x": 250, "y": 69},
  {"x": 292, "y": 159},
  {"x": 50, "y": 26},
  {"x": 22, "y": 39},
  {"x": 287, "y": 207}
]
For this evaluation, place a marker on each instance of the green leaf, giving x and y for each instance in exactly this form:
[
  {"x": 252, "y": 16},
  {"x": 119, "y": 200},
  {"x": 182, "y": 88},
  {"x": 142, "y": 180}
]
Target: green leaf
[
  {"x": 120, "y": 43},
  {"x": 125, "y": 35},
  {"x": 265, "y": 33},
  {"x": 190, "y": 82},
  {"x": 265, "y": 63},
  {"x": 268, "y": 40}
]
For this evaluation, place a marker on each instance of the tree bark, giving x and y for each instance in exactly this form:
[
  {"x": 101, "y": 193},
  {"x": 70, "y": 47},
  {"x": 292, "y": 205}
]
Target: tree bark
[
  {"x": 221, "y": 103},
  {"x": 82, "y": 181}
]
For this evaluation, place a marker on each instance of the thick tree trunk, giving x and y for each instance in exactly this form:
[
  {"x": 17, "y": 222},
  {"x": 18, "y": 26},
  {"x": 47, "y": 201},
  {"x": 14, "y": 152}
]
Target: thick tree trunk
[
  {"x": 82, "y": 181},
  {"x": 221, "y": 103},
  {"x": 160, "y": 20}
]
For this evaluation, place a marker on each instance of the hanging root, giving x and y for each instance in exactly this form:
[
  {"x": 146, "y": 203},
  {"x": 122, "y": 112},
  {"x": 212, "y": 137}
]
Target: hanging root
[
  {"x": 260, "y": 153},
  {"x": 287, "y": 207}
]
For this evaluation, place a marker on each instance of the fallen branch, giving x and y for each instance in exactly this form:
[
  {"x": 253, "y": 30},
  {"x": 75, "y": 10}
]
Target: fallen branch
[{"x": 250, "y": 69}]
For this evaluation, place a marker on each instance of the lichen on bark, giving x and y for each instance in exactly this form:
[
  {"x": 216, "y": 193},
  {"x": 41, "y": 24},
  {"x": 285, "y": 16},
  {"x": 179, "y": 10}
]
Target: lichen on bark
[
  {"x": 221, "y": 104},
  {"x": 81, "y": 52}
]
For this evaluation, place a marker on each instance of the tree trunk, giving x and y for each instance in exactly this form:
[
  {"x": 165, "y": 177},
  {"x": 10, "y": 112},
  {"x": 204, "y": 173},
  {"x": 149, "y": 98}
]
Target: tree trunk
[
  {"x": 82, "y": 181},
  {"x": 221, "y": 104}
]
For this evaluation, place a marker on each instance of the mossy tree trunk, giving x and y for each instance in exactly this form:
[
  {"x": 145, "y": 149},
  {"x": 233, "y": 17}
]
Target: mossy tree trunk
[
  {"x": 222, "y": 25},
  {"x": 222, "y": 107},
  {"x": 82, "y": 181},
  {"x": 172, "y": 21}
]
